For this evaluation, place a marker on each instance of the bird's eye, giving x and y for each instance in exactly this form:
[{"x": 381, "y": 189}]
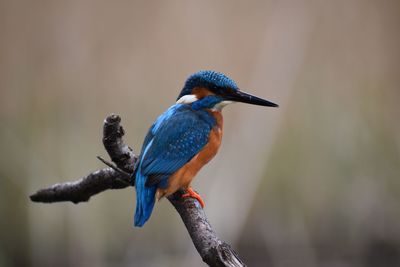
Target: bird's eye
[{"x": 221, "y": 91}]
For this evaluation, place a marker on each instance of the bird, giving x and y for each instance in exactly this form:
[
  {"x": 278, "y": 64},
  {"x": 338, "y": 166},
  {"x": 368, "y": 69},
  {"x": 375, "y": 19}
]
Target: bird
[{"x": 185, "y": 138}]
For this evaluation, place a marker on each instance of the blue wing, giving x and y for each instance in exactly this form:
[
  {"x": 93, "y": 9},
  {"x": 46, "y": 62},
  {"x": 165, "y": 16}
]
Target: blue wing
[
  {"x": 174, "y": 139},
  {"x": 152, "y": 131}
]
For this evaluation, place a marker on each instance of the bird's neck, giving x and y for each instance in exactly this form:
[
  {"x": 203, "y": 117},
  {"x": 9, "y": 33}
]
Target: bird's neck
[
  {"x": 205, "y": 103},
  {"x": 219, "y": 120}
]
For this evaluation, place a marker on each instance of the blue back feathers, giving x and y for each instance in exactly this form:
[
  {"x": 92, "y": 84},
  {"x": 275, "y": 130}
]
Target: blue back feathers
[
  {"x": 213, "y": 80},
  {"x": 144, "y": 195},
  {"x": 173, "y": 140}
]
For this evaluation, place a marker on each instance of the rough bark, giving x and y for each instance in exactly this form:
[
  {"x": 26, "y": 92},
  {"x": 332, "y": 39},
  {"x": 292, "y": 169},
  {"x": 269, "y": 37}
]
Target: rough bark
[{"x": 212, "y": 250}]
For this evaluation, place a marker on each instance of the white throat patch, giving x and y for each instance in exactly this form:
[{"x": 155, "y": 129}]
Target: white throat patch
[
  {"x": 187, "y": 99},
  {"x": 222, "y": 104}
]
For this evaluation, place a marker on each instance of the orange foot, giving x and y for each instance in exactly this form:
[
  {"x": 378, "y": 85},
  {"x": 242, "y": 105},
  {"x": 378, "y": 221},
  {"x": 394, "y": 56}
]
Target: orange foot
[{"x": 191, "y": 193}]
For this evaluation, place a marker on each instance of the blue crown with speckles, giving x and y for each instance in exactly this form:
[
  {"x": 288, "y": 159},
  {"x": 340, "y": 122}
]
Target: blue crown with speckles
[{"x": 212, "y": 80}]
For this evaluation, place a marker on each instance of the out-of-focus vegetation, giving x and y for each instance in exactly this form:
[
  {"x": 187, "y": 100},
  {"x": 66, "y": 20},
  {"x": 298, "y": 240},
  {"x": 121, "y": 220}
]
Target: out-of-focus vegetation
[{"x": 313, "y": 183}]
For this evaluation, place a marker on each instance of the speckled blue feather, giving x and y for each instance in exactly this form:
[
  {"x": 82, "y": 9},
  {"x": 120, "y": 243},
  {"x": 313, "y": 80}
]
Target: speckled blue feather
[
  {"x": 173, "y": 140},
  {"x": 213, "y": 80}
]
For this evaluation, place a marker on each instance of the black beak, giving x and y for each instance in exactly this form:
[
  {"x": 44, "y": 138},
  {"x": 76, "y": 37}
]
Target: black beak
[{"x": 239, "y": 96}]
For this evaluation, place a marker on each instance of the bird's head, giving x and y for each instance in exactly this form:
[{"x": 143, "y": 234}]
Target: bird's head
[{"x": 214, "y": 90}]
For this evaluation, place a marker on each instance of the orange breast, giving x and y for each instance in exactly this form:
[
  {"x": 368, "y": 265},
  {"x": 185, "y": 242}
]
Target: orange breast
[{"x": 184, "y": 176}]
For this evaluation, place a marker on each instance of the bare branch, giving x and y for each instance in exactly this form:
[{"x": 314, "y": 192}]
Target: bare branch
[
  {"x": 212, "y": 250},
  {"x": 120, "y": 154},
  {"x": 126, "y": 175},
  {"x": 82, "y": 189}
]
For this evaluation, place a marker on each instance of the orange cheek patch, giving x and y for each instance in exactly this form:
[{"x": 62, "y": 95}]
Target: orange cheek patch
[{"x": 201, "y": 92}]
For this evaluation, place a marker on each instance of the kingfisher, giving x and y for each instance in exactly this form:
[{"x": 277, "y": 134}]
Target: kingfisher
[{"x": 184, "y": 139}]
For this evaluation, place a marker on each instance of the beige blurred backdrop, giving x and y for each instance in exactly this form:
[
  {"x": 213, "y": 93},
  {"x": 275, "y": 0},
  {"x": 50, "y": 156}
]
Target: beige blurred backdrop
[{"x": 313, "y": 183}]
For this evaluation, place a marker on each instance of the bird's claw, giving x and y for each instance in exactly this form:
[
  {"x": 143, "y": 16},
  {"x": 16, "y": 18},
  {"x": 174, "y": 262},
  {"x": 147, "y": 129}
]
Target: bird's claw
[{"x": 193, "y": 194}]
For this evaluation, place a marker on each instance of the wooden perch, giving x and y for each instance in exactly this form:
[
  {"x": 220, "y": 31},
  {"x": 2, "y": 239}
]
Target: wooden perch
[{"x": 212, "y": 250}]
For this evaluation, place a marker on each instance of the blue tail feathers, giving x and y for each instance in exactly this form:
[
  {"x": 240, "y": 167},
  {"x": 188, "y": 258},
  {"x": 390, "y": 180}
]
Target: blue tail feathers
[{"x": 145, "y": 199}]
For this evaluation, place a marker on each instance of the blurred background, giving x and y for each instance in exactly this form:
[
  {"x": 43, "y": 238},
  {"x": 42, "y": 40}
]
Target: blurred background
[{"x": 313, "y": 183}]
